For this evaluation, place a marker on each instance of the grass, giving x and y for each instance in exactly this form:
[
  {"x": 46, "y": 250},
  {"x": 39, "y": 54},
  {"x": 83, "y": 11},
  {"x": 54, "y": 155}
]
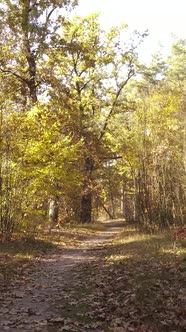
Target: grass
[
  {"x": 18, "y": 254},
  {"x": 87, "y": 229},
  {"x": 148, "y": 245},
  {"x": 93, "y": 228},
  {"x": 138, "y": 280},
  {"x": 24, "y": 248},
  {"x": 153, "y": 268}
]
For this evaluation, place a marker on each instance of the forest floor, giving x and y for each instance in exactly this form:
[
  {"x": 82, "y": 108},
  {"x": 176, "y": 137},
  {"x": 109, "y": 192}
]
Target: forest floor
[{"x": 107, "y": 279}]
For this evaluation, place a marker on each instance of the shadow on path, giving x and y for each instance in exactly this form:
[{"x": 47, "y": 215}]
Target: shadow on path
[{"x": 29, "y": 303}]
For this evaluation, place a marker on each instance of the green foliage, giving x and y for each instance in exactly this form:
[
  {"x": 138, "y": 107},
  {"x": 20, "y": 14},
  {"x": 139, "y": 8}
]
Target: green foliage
[
  {"x": 77, "y": 126},
  {"x": 151, "y": 141}
]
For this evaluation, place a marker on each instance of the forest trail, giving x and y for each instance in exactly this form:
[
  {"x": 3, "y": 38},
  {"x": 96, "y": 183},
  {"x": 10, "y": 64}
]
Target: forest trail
[{"x": 34, "y": 302}]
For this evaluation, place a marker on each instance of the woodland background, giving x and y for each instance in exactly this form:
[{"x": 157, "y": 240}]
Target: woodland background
[{"x": 85, "y": 128}]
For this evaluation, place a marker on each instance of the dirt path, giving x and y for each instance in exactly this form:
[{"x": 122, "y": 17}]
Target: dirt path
[{"x": 34, "y": 303}]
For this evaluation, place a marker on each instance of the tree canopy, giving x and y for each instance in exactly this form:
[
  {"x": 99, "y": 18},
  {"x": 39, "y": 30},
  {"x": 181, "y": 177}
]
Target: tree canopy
[{"x": 84, "y": 124}]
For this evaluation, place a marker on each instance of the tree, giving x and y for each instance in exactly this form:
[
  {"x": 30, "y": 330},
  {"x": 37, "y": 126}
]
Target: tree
[
  {"x": 177, "y": 80},
  {"x": 151, "y": 143},
  {"x": 29, "y": 26},
  {"x": 89, "y": 70}
]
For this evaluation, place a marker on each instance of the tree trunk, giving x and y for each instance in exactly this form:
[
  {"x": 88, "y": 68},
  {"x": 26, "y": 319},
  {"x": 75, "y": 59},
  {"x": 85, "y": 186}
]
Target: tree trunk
[
  {"x": 86, "y": 208},
  {"x": 86, "y": 198},
  {"x": 53, "y": 212},
  {"x": 184, "y": 145},
  {"x": 105, "y": 209},
  {"x": 30, "y": 55}
]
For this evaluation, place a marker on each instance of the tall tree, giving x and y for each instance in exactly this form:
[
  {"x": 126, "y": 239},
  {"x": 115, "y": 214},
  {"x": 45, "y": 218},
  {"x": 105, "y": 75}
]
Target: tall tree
[
  {"x": 89, "y": 71},
  {"x": 177, "y": 80},
  {"x": 29, "y": 26},
  {"x": 151, "y": 143},
  {"x": 26, "y": 31}
]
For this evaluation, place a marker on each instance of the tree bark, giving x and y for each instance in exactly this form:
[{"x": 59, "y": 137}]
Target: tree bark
[
  {"x": 86, "y": 197},
  {"x": 53, "y": 212},
  {"x": 184, "y": 144},
  {"x": 86, "y": 208},
  {"x": 30, "y": 56},
  {"x": 106, "y": 210}
]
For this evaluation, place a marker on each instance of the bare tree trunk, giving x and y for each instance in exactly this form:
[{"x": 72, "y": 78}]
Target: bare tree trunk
[
  {"x": 53, "y": 212},
  {"x": 86, "y": 197},
  {"x": 184, "y": 145},
  {"x": 86, "y": 208},
  {"x": 30, "y": 56},
  {"x": 104, "y": 208},
  {"x": 112, "y": 203}
]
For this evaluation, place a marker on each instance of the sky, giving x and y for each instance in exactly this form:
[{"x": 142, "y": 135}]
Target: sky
[{"x": 162, "y": 18}]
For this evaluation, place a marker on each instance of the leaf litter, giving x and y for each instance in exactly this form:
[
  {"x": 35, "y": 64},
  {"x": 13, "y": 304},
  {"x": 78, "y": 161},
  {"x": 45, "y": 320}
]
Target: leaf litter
[{"x": 101, "y": 284}]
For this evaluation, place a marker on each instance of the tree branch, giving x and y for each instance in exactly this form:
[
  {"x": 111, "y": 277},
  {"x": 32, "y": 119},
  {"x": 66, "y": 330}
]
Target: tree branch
[
  {"x": 130, "y": 74},
  {"x": 111, "y": 158},
  {"x": 104, "y": 207},
  {"x": 9, "y": 71}
]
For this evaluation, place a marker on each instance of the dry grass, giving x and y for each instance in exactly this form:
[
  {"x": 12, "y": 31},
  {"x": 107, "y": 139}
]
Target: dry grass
[{"x": 143, "y": 245}]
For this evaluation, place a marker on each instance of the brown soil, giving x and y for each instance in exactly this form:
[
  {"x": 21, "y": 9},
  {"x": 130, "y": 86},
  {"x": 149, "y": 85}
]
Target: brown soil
[{"x": 34, "y": 301}]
